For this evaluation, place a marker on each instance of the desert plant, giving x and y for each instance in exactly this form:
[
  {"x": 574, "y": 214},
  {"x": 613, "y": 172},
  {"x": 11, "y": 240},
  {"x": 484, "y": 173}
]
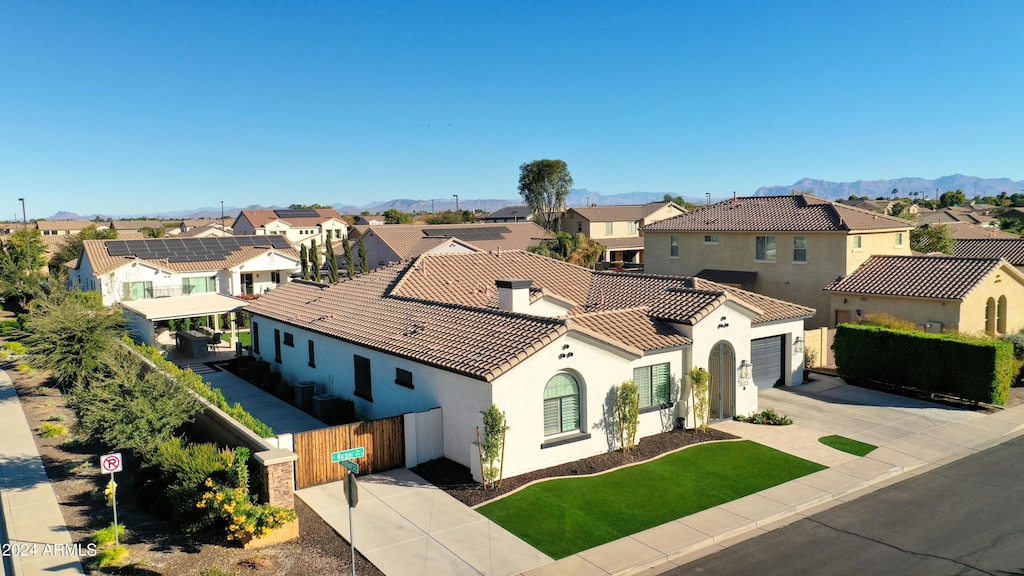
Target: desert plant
[
  {"x": 492, "y": 446},
  {"x": 810, "y": 358},
  {"x": 766, "y": 417},
  {"x": 16, "y": 348},
  {"x": 627, "y": 408},
  {"x": 25, "y": 369},
  {"x": 105, "y": 536},
  {"x": 886, "y": 320},
  {"x": 51, "y": 430},
  {"x": 57, "y": 418},
  {"x": 110, "y": 557},
  {"x": 699, "y": 380}
]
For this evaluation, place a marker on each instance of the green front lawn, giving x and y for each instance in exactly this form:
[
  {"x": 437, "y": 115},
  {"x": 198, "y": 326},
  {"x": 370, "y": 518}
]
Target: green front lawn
[
  {"x": 565, "y": 516},
  {"x": 847, "y": 445},
  {"x": 243, "y": 337}
]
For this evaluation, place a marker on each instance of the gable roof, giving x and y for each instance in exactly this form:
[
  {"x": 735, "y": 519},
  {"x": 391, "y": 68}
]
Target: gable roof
[
  {"x": 136, "y": 224},
  {"x": 518, "y": 211},
  {"x": 953, "y": 215},
  {"x": 65, "y": 224},
  {"x": 737, "y": 277},
  {"x": 442, "y": 309},
  {"x": 182, "y": 254},
  {"x": 622, "y": 213},
  {"x": 411, "y": 240},
  {"x": 310, "y": 217},
  {"x": 1011, "y": 250},
  {"x": 939, "y": 277},
  {"x": 796, "y": 213},
  {"x": 965, "y": 231}
]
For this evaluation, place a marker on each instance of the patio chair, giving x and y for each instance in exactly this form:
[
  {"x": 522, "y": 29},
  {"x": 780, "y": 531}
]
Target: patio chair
[{"x": 217, "y": 338}]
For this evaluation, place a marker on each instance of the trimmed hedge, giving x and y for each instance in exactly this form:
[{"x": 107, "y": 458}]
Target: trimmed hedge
[
  {"x": 195, "y": 382},
  {"x": 970, "y": 368}
]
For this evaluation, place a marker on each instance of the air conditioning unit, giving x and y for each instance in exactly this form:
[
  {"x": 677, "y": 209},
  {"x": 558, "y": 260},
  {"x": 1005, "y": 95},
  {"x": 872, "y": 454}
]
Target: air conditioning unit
[
  {"x": 304, "y": 392},
  {"x": 326, "y": 407}
]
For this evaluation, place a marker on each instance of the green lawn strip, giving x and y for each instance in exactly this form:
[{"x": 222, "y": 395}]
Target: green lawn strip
[
  {"x": 244, "y": 337},
  {"x": 565, "y": 516},
  {"x": 847, "y": 445}
]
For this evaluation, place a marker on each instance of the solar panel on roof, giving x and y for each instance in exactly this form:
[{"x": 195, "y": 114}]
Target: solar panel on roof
[
  {"x": 297, "y": 213},
  {"x": 191, "y": 249},
  {"x": 469, "y": 234}
]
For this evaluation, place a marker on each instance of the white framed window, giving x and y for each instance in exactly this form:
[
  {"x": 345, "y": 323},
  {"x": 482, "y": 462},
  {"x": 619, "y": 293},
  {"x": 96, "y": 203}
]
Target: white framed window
[
  {"x": 561, "y": 405},
  {"x": 138, "y": 290},
  {"x": 766, "y": 249},
  {"x": 632, "y": 227},
  {"x": 607, "y": 228},
  {"x": 898, "y": 241},
  {"x": 673, "y": 246},
  {"x": 711, "y": 238},
  {"x": 199, "y": 285},
  {"x": 655, "y": 384},
  {"x": 858, "y": 242},
  {"x": 800, "y": 249}
]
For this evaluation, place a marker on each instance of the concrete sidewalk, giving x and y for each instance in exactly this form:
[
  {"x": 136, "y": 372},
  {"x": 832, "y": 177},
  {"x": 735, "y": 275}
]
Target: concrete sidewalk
[{"x": 33, "y": 523}]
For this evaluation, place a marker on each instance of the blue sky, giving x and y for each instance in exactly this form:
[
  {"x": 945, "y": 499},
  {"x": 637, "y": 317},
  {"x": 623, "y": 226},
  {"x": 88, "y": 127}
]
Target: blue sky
[{"x": 142, "y": 107}]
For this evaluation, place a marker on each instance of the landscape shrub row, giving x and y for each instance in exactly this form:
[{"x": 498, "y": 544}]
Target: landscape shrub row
[{"x": 966, "y": 367}]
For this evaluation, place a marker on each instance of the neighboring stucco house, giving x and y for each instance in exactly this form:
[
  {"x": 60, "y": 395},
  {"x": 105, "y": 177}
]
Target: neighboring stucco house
[
  {"x": 371, "y": 220},
  {"x": 965, "y": 231},
  {"x": 958, "y": 214},
  {"x": 135, "y": 225},
  {"x": 937, "y": 293},
  {"x": 125, "y": 270},
  {"x": 65, "y": 227},
  {"x": 517, "y": 213},
  {"x": 397, "y": 242},
  {"x": 787, "y": 247},
  {"x": 545, "y": 341},
  {"x": 618, "y": 228},
  {"x": 298, "y": 226}
]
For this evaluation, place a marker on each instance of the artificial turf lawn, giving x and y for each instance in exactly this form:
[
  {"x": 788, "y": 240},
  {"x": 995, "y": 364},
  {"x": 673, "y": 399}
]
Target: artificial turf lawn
[
  {"x": 565, "y": 516},
  {"x": 847, "y": 445}
]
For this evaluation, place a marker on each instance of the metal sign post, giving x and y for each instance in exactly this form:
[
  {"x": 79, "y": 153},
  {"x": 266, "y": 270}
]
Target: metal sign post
[
  {"x": 352, "y": 495},
  {"x": 113, "y": 463}
]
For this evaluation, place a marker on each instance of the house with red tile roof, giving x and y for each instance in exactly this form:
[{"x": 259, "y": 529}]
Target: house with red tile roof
[
  {"x": 545, "y": 341},
  {"x": 937, "y": 293},
  {"x": 787, "y": 247},
  {"x": 298, "y": 226},
  {"x": 618, "y": 228}
]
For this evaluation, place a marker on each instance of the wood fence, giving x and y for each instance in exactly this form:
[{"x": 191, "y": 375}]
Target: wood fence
[{"x": 383, "y": 439}]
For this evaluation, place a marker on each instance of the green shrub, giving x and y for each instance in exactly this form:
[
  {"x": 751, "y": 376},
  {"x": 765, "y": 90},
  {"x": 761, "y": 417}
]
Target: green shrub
[
  {"x": 8, "y": 327},
  {"x": 109, "y": 557},
  {"x": 767, "y": 417},
  {"x": 886, "y": 320},
  {"x": 51, "y": 430},
  {"x": 16, "y": 348},
  {"x": 105, "y": 536},
  {"x": 971, "y": 368},
  {"x": 57, "y": 418},
  {"x": 25, "y": 369}
]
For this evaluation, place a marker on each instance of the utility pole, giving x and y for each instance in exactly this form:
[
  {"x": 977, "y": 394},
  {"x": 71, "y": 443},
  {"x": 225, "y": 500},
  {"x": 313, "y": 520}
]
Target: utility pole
[
  {"x": 708, "y": 194},
  {"x": 456, "y": 202},
  {"x": 432, "y": 207},
  {"x": 221, "y": 212}
]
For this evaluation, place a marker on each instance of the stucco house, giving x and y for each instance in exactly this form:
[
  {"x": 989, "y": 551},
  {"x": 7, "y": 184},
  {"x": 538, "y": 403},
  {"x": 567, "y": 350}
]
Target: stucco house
[
  {"x": 545, "y": 341},
  {"x": 937, "y": 293},
  {"x": 618, "y": 228},
  {"x": 515, "y": 213},
  {"x": 126, "y": 270},
  {"x": 787, "y": 247},
  {"x": 371, "y": 220},
  {"x": 298, "y": 226},
  {"x": 397, "y": 242},
  {"x": 65, "y": 227}
]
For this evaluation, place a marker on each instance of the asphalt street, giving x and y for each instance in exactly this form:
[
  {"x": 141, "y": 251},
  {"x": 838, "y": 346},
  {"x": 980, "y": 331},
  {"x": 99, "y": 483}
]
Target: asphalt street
[{"x": 963, "y": 518}]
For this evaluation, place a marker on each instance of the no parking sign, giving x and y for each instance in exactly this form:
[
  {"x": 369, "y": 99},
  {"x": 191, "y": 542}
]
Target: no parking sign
[{"x": 111, "y": 463}]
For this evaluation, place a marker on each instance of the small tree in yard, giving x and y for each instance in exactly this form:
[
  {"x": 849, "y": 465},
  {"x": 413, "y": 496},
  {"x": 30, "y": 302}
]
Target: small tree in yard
[
  {"x": 314, "y": 261},
  {"x": 304, "y": 258},
  {"x": 492, "y": 447},
  {"x": 350, "y": 264},
  {"x": 699, "y": 379},
  {"x": 332, "y": 263},
  {"x": 627, "y": 407},
  {"x": 363, "y": 266}
]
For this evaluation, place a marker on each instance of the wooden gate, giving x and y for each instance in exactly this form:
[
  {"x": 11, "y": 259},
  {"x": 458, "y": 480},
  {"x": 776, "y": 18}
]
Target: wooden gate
[{"x": 383, "y": 439}]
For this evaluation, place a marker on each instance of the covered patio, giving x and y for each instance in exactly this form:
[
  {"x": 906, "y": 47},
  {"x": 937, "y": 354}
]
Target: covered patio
[{"x": 141, "y": 316}]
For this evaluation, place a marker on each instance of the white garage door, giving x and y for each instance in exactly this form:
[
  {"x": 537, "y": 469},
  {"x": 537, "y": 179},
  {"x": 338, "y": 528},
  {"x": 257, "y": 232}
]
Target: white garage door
[{"x": 766, "y": 356}]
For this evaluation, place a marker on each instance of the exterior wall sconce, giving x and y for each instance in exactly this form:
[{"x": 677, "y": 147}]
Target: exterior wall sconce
[
  {"x": 745, "y": 367},
  {"x": 798, "y": 346}
]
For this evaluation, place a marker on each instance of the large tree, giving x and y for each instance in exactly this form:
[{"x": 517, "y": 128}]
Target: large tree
[
  {"x": 394, "y": 216},
  {"x": 72, "y": 246},
  {"x": 572, "y": 248},
  {"x": 544, "y": 185},
  {"x": 934, "y": 238},
  {"x": 21, "y": 262},
  {"x": 952, "y": 198}
]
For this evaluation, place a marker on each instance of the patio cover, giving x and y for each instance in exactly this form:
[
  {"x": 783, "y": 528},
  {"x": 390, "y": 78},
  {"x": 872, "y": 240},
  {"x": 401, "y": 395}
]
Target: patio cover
[{"x": 155, "y": 309}]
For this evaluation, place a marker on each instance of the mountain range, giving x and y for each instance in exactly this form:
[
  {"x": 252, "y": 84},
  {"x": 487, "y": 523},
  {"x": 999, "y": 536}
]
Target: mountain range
[{"x": 971, "y": 185}]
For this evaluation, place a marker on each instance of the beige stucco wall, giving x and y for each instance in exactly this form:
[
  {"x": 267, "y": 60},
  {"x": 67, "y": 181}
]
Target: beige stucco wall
[
  {"x": 967, "y": 316},
  {"x": 829, "y": 256}
]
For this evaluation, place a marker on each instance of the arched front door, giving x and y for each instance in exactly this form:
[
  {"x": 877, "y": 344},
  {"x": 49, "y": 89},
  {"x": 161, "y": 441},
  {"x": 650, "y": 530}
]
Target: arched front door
[{"x": 722, "y": 387}]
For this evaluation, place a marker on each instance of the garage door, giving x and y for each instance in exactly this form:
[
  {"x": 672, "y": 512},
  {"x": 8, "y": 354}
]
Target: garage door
[{"x": 766, "y": 356}]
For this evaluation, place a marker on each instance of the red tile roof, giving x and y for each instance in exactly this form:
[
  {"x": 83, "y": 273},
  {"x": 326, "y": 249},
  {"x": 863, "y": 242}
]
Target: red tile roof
[
  {"x": 260, "y": 218},
  {"x": 411, "y": 240},
  {"x": 797, "y": 213},
  {"x": 939, "y": 277}
]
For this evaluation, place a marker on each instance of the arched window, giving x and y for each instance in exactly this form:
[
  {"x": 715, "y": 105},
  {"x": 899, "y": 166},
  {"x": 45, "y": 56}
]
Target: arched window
[
  {"x": 990, "y": 316},
  {"x": 1001, "y": 315},
  {"x": 561, "y": 405}
]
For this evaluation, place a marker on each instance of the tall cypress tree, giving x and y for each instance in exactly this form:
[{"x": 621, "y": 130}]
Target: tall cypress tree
[
  {"x": 350, "y": 265},
  {"x": 332, "y": 263},
  {"x": 362, "y": 256},
  {"x": 314, "y": 261},
  {"x": 303, "y": 257}
]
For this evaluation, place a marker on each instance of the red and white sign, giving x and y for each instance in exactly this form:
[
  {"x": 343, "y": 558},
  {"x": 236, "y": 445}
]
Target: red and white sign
[{"x": 111, "y": 463}]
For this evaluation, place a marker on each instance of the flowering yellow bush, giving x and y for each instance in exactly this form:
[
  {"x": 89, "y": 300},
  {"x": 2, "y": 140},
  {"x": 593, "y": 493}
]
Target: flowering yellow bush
[{"x": 241, "y": 515}]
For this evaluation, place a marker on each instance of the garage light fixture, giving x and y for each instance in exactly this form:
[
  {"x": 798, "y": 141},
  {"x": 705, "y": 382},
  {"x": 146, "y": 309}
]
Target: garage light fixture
[
  {"x": 745, "y": 370},
  {"x": 798, "y": 346}
]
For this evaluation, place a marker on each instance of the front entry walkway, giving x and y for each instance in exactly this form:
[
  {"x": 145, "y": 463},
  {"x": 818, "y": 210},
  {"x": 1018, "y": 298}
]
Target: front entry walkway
[{"x": 406, "y": 526}]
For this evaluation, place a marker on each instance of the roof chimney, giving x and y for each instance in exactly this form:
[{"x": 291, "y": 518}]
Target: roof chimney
[{"x": 514, "y": 294}]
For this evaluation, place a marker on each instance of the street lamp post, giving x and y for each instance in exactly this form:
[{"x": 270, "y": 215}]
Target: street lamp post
[
  {"x": 708, "y": 194},
  {"x": 456, "y": 202},
  {"x": 24, "y": 219},
  {"x": 221, "y": 212}
]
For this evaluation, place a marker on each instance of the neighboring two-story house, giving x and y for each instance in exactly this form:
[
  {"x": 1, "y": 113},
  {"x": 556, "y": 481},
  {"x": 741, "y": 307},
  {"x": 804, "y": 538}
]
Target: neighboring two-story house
[
  {"x": 787, "y": 247},
  {"x": 545, "y": 341},
  {"x": 618, "y": 228},
  {"x": 397, "y": 242},
  {"x": 297, "y": 226}
]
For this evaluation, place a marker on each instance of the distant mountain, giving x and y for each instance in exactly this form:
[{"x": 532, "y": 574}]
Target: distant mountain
[{"x": 971, "y": 185}]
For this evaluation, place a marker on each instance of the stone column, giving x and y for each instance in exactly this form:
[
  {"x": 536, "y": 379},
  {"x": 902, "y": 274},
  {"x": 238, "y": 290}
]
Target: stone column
[{"x": 276, "y": 471}]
